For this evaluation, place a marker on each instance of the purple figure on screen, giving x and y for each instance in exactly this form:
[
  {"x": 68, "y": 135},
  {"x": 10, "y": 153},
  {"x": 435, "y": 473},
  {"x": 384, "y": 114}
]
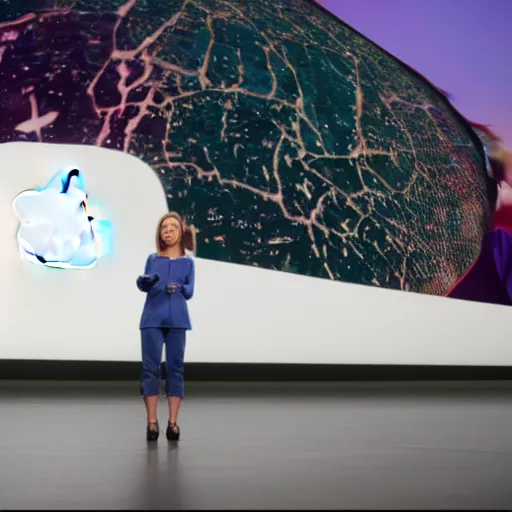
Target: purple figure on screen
[{"x": 490, "y": 277}]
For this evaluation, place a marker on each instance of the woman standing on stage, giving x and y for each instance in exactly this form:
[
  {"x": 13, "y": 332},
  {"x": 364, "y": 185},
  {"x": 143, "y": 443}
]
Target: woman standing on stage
[{"x": 168, "y": 281}]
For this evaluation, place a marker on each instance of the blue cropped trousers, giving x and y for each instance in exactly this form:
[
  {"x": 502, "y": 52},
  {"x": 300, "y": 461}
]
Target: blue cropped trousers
[{"x": 153, "y": 341}]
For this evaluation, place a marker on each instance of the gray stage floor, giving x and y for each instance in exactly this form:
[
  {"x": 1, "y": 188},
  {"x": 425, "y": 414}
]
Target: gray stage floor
[{"x": 373, "y": 446}]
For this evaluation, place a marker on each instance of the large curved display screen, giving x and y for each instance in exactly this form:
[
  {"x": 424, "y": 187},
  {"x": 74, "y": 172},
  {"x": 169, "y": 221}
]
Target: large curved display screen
[{"x": 339, "y": 199}]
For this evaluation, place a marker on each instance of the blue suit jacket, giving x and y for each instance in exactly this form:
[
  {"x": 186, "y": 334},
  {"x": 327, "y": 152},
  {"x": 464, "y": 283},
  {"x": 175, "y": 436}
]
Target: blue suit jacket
[{"x": 163, "y": 309}]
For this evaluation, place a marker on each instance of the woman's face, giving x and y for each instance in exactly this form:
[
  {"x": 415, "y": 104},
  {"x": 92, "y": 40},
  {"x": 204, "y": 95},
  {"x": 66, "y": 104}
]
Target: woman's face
[{"x": 170, "y": 232}]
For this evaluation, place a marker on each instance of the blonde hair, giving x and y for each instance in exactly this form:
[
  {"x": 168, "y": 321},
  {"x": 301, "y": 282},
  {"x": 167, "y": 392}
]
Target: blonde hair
[{"x": 188, "y": 235}]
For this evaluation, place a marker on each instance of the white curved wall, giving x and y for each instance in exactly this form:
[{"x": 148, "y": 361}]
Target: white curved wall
[{"x": 239, "y": 314}]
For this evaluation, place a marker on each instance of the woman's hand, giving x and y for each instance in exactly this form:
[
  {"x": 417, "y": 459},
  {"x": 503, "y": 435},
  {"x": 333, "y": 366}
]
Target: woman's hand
[
  {"x": 172, "y": 287},
  {"x": 146, "y": 282}
]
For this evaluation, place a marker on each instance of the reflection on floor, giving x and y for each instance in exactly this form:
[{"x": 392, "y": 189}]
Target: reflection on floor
[{"x": 287, "y": 445}]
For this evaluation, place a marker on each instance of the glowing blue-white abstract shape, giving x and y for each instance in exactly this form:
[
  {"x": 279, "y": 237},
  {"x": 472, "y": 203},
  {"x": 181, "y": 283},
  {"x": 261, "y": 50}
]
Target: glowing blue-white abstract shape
[{"x": 55, "y": 228}]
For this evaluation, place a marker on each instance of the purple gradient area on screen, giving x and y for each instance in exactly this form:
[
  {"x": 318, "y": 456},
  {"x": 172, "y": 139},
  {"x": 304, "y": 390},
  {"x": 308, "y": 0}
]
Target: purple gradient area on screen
[{"x": 463, "y": 46}]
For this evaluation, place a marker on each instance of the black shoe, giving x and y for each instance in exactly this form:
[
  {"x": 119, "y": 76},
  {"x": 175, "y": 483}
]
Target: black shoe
[
  {"x": 173, "y": 432},
  {"x": 151, "y": 434}
]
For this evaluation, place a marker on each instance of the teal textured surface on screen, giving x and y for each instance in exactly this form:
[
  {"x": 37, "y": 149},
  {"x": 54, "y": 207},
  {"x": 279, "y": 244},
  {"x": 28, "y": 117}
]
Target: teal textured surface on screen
[{"x": 289, "y": 140}]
